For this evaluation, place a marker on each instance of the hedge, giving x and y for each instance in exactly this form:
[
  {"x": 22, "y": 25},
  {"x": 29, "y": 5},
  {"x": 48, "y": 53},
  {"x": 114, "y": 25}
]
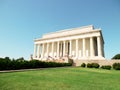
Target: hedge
[
  {"x": 7, "y": 64},
  {"x": 108, "y": 67},
  {"x": 93, "y": 65}
]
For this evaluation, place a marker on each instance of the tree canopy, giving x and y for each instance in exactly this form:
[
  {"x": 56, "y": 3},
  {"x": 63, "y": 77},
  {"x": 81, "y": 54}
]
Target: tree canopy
[{"x": 117, "y": 56}]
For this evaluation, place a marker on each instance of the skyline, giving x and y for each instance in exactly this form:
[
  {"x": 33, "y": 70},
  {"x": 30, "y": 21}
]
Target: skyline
[{"x": 22, "y": 21}]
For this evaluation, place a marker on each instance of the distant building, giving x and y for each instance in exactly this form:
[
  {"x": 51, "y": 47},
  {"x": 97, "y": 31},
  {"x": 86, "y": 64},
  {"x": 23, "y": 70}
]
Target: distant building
[{"x": 83, "y": 43}]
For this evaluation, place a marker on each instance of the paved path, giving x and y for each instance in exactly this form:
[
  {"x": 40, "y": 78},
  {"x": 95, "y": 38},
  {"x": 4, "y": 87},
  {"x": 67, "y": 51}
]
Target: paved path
[{"x": 21, "y": 70}]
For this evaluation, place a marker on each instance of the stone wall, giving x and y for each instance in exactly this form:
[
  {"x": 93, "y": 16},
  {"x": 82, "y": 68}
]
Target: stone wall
[{"x": 100, "y": 62}]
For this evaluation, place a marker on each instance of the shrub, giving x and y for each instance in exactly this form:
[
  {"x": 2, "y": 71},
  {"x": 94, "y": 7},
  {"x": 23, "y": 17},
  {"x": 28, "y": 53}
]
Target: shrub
[
  {"x": 83, "y": 65},
  {"x": 93, "y": 65},
  {"x": 89, "y": 65},
  {"x": 108, "y": 67},
  {"x": 116, "y": 66}
]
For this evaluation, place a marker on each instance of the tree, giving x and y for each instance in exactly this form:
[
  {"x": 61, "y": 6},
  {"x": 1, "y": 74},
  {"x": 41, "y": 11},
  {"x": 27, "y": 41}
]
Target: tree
[
  {"x": 117, "y": 56},
  {"x": 20, "y": 59},
  {"x": 7, "y": 58}
]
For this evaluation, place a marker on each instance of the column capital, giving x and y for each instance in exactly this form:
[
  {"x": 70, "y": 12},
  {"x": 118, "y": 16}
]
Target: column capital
[
  {"x": 53, "y": 41},
  {"x": 91, "y": 38},
  {"x": 70, "y": 40},
  {"x": 98, "y": 36},
  {"x": 64, "y": 41},
  {"x": 84, "y": 38}
]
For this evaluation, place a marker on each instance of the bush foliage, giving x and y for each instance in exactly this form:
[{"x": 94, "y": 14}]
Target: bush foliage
[
  {"x": 89, "y": 65},
  {"x": 7, "y": 64},
  {"x": 83, "y": 65},
  {"x": 108, "y": 67},
  {"x": 116, "y": 66},
  {"x": 93, "y": 65}
]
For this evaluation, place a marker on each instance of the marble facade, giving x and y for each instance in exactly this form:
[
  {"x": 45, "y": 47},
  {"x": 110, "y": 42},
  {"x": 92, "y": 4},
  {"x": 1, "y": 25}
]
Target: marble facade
[{"x": 83, "y": 43}]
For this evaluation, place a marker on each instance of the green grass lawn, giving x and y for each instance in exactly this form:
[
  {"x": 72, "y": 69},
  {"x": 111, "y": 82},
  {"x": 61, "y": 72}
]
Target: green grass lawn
[{"x": 74, "y": 78}]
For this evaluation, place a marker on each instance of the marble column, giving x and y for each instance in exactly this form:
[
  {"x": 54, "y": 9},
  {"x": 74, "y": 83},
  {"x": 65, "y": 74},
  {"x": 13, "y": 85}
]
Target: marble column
[
  {"x": 61, "y": 51},
  {"x": 38, "y": 51},
  {"x": 64, "y": 48},
  {"x": 91, "y": 47},
  {"x": 99, "y": 46},
  {"x": 52, "y": 49},
  {"x": 70, "y": 50},
  {"x": 58, "y": 49},
  {"x": 42, "y": 55},
  {"x": 67, "y": 47},
  {"x": 47, "y": 49},
  {"x": 76, "y": 48},
  {"x": 84, "y": 47}
]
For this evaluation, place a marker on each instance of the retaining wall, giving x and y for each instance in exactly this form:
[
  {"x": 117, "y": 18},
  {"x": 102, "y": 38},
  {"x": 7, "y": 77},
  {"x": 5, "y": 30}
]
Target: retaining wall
[{"x": 100, "y": 62}]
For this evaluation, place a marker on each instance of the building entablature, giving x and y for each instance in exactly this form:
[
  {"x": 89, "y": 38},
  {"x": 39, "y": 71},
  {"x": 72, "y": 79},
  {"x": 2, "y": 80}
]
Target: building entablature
[{"x": 93, "y": 33}]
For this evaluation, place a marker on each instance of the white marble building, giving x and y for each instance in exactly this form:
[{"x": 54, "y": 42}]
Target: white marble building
[{"x": 83, "y": 43}]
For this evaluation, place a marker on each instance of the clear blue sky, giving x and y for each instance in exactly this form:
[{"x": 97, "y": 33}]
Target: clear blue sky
[{"x": 21, "y": 21}]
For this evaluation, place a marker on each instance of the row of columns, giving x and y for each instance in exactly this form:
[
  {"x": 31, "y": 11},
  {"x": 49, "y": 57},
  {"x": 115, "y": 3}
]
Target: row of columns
[{"x": 92, "y": 52}]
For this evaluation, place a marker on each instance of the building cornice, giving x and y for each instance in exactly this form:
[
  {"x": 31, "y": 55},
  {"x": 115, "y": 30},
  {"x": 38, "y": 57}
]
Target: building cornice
[
  {"x": 92, "y": 31},
  {"x": 71, "y": 29}
]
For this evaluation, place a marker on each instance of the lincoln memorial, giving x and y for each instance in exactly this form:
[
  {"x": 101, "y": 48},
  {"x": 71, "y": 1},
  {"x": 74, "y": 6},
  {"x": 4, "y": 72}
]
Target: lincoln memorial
[{"x": 83, "y": 43}]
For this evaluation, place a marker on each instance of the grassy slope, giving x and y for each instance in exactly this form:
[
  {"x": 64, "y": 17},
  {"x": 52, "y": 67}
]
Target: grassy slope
[{"x": 61, "y": 79}]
